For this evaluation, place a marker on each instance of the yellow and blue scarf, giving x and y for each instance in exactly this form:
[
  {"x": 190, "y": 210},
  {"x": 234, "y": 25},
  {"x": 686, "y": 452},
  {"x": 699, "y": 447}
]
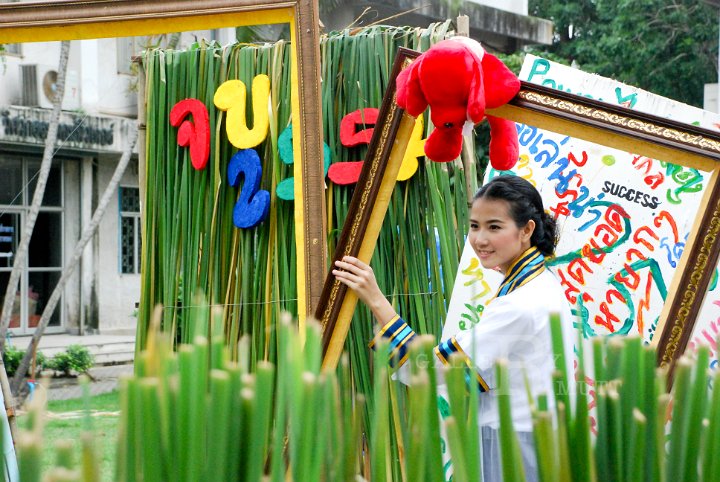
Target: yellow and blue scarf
[{"x": 526, "y": 268}]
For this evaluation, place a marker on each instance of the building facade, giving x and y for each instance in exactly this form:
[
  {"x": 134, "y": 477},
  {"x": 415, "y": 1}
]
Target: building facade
[
  {"x": 99, "y": 112},
  {"x": 500, "y": 25}
]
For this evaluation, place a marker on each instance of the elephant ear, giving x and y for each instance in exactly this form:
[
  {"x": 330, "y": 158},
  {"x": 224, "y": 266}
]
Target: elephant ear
[
  {"x": 476, "y": 93},
  {"x": 501, "y": 85},
  {"x": 504, "y": 147},
  {"x": 409, "y": 92},
  {"x": 444, "y": 145}
]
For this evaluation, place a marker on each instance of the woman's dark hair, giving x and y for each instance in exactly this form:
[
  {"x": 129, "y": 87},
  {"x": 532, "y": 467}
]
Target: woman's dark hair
[{"x": 525, "y": 204}]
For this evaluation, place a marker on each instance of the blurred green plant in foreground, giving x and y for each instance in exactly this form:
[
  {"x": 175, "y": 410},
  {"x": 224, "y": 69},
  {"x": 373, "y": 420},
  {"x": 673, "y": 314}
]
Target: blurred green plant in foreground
[{"x": 193, "y": 414}]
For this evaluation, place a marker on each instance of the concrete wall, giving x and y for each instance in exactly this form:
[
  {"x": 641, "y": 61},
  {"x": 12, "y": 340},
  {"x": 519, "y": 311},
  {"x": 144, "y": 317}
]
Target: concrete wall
[
  {"x": 502, "y": 25},
  {"x": 43, "y": 54},
  {"x": 72, "y": 231},
  {"x": 94, "y": 63},
  {"x": 711, "y": 98},
  {"x": 117, "y": 293},
  {"x": 515, "y": 6},
  {"x": 98, "y": 296},
  {"x": 116, "y": 94},
  {"x": 10, "y": 80}
]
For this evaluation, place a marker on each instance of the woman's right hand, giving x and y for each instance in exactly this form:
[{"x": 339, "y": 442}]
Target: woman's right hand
[{"x": 359, "y": 277}]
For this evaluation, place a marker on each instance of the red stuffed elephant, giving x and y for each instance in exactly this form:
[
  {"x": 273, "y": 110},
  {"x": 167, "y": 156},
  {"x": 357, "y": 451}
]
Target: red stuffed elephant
[{"x": 459, "y": 80}]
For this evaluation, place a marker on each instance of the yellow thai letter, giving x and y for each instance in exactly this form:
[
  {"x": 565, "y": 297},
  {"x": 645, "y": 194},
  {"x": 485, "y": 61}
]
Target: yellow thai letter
[
  {"x": 230, "y": 97},
  {"x": 415, "y": 149}
]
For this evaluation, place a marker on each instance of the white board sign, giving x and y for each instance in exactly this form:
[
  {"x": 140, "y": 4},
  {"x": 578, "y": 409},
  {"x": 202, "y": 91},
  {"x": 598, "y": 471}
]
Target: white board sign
[{"x": 624, "y": 218}]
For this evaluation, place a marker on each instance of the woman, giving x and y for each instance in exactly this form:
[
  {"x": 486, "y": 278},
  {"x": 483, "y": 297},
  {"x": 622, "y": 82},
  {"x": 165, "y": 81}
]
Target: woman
[{"x": 511, "y": 232}]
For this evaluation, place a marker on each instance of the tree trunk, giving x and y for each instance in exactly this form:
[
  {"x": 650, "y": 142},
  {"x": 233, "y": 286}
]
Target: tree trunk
[
  {"x": 68, "y": 270},
  {"x": 22, "y": 251}
]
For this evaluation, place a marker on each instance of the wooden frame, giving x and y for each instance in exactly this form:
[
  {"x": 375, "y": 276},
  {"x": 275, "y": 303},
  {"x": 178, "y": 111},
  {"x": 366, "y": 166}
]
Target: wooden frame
[
  {"x": 598, "y": 122},
  {"x": 88, "y": 19},
  {"x": 366, "y": 212}
]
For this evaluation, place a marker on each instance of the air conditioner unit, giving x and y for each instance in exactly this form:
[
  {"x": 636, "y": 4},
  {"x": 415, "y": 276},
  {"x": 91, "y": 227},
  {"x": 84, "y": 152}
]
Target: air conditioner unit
[{"x": 39, "y": 86}]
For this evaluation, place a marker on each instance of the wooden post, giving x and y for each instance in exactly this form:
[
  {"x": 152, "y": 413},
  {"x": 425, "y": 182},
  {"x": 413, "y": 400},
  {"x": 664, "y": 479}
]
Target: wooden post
[
  {"x": 310, "y": 224},
  {"x": 468, "y": 153}
]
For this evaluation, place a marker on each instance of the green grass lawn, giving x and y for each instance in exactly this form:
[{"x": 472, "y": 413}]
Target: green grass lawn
[{"x": 66, "y": 420}]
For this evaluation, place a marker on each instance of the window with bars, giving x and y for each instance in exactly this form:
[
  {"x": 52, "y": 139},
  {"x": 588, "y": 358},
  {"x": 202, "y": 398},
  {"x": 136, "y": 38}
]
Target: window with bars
[
  {"x": 13, "y": 49},
  {"x": 130, "y": 235},
  {"x": 127, "y": 48}
]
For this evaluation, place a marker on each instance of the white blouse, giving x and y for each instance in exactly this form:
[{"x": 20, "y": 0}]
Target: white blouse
[{"x": 516, "y": 327}]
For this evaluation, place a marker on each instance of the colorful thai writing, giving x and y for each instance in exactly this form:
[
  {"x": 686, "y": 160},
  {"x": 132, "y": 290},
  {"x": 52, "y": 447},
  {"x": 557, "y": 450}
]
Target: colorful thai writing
[
  {"x": 619, "y": 237},
  {"x": 252, "y": 207}
]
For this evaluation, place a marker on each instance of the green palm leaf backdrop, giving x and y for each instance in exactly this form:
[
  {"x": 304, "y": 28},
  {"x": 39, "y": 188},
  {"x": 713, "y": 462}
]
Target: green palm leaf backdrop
[{"x": 191, "y": 249}]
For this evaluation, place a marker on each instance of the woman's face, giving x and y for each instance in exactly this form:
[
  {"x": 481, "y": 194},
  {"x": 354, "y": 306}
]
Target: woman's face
[{"x": 496, "y": 239}]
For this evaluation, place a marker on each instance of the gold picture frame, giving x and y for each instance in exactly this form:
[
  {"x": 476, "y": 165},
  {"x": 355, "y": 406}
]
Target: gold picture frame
[
  {"x": 584, "y": 118},
  {"x": 89, "y": 19},
  {"x": 366, "y": 212}
]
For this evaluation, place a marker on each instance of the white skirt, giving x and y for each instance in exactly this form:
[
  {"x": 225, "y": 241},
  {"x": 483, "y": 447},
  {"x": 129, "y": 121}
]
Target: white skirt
[{"x": 492, "y": 461}]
